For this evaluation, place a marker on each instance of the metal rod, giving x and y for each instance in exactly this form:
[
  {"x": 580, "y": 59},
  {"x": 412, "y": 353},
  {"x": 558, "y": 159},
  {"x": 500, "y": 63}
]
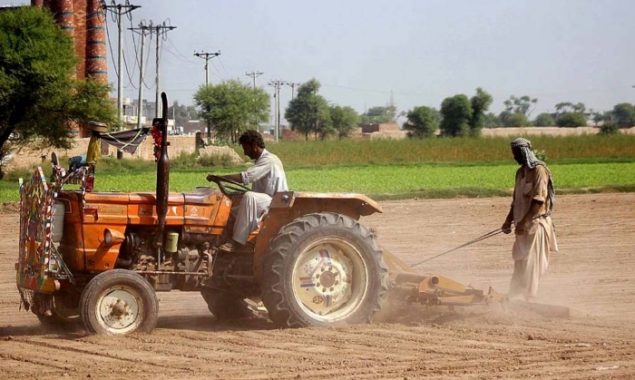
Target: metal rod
[{"x": 482, "y": 237}]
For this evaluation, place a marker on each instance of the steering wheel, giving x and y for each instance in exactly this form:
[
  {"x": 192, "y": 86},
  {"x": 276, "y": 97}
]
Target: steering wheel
[{"x": 227, "y": 186}]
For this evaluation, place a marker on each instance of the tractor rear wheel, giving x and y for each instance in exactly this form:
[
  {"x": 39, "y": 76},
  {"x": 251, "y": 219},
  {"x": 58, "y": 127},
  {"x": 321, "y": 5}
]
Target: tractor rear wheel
[
  {"x": 323, "y": 269},
  {"x": 64, "y": 309},
  {"x": 118, "y": 302},
  {"x": 225, "y": 306}
]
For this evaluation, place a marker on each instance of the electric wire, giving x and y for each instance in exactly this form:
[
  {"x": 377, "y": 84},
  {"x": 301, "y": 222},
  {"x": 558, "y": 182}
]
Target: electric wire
[
  {"x": 125, "y": 62},
  {"x": 147, "y": 58},
  {"x": 178, "y": 52},
  {"x": 112, "y": 55}
]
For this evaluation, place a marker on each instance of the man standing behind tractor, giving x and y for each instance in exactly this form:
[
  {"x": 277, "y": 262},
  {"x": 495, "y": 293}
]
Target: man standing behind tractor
[
  {"x": 530, "y": 212},
  {"x": 267, "y": 178}
]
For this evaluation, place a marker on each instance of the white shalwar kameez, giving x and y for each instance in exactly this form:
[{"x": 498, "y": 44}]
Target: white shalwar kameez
[{"x": 267, "y": 176}]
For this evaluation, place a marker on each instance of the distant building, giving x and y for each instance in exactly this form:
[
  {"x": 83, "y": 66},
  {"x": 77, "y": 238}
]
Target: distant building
[{"x": 382, "y": 130}]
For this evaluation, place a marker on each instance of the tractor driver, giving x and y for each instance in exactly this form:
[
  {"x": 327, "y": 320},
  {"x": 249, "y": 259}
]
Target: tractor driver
[{"x": 267, "y": 178}]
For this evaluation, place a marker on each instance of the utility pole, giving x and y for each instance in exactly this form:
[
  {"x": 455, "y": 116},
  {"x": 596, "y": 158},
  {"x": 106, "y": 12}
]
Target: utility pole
[
  {"x": 276, "y": 85},
  {"x": 292, "y": 85},
  {"x": 207, "y": 56},
  {"x": 119, "y": 10},
  {"x": 141, "y": 29},
  {"x": 159, "y": 30},
  {"x": 254, "y": 75}
]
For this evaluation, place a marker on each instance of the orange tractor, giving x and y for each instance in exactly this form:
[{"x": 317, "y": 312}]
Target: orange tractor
[{"x": 100, "y": 257}]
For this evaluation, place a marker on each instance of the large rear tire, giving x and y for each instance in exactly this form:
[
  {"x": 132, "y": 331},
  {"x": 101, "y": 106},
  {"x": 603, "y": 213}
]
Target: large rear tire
[
  {"x": 118, "y": 302},
  {"x": 323, "y": 269},
  {"x": 225, "y": 306},
  {"x": 64, "y": 309}
]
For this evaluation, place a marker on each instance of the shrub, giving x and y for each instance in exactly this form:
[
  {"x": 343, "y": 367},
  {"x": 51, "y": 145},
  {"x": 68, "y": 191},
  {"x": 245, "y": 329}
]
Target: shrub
[
  {"x": 609, "y": 128},
  {"x": 223, "y": 159}
]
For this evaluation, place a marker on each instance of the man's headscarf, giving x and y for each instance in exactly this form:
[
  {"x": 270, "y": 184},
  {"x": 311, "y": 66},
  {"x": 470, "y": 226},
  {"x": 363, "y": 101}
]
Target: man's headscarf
[{"x": 530, "y": 160}]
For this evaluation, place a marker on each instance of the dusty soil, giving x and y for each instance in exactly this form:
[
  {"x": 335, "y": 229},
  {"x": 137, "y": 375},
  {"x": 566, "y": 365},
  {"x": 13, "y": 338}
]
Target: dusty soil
[{"x": 592, "y": 275}]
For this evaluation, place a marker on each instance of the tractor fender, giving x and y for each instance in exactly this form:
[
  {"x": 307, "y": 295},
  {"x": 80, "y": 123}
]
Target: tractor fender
[{"x": 289, "y": 205}]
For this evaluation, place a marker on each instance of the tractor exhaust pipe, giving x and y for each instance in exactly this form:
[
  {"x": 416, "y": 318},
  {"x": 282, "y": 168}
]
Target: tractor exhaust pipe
[{"x": 163, "y": 175}]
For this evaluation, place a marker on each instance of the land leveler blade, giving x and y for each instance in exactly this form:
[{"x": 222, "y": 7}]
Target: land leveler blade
[
  {"x": 434, "y": 289},
  {"x": 441, "y": 290},
  {"x": 408, "y": 285}
]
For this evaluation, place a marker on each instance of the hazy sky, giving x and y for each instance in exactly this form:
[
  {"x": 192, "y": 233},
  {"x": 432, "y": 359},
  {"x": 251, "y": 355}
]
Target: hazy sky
[{"x": 420, "y": 51}]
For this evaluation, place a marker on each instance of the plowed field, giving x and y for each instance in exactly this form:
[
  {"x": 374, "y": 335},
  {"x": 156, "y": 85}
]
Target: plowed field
[{"x": 592, "y": 275}]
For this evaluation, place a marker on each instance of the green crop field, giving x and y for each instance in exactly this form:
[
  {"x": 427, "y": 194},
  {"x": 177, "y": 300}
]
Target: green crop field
[
  {"x": 401, "y": 168},
  {"x": 392, "y": 181}
]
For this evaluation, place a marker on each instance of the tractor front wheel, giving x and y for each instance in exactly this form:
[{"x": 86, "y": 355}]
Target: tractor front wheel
[
  {"x": 323, "y": 269},
  {"x": 118, "y": 302}
]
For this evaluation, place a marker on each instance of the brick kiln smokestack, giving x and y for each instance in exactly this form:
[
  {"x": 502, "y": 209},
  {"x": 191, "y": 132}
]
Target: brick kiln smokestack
[
  {"x": 65, "y": 15},
  {"x": 85, "y": 22},
  {"x": 96, "y": 64}
]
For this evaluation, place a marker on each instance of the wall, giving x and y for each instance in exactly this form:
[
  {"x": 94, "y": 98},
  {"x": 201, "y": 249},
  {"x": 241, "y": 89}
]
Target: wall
[{"x": 28, "y": 157}]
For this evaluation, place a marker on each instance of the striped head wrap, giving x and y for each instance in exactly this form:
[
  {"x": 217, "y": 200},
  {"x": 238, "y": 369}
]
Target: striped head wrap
[{"x": 530, "y": 160}]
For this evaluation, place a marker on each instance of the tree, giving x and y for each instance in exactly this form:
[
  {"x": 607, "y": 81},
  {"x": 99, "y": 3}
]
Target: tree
[
  {"x": 570, "y": 115},
  {"x": 232, "y": 107},
  {"x": 513, "y": 119},
  {"x": 571, "y": 119},
  {"x": 308, "y": 112},
  {"x": 597, "y": 118},
  {"x": 624, "y": 115},
  {"x": 517, "y": 111},
  {"x": 39, "y": 97},
  {"x": 521, "y": 104},
  {"x": 457, "y": 113},
  {"x": 480, "y": 103},
  {"x": 182, "y": 113},
  {"x": 563, "y": 107},
  {"x": 422, "y": 122},
  {"x": 343, "y": 120},
  {"x": 491, "y": 120},
  {"x": 544, "y": 120},
  {"x": 378, "y": 115}
]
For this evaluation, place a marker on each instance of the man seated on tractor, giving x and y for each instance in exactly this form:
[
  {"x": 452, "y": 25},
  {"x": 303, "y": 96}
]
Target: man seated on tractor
[{"x": 267, "y": 178}]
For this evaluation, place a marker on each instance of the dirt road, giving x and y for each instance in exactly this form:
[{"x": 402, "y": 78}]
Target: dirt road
[{"x": 592, "y": 275}]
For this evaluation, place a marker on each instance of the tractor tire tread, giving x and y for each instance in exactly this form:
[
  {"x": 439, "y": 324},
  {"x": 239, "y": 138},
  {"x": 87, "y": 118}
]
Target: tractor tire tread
[{"x": 282, "y": 246}]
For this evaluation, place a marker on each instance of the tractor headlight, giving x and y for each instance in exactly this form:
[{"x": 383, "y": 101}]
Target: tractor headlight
[{"x": 108, "y": 240}]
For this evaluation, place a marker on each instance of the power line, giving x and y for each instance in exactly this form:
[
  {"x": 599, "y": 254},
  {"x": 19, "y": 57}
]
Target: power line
[
  {"x": 118, "y": 10},
  {"x": 125, "y": 62},
  {"x": 141, "y": 30},
  {"x": 160, "y": 30},
  {"x": 178, "y": 53}
]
